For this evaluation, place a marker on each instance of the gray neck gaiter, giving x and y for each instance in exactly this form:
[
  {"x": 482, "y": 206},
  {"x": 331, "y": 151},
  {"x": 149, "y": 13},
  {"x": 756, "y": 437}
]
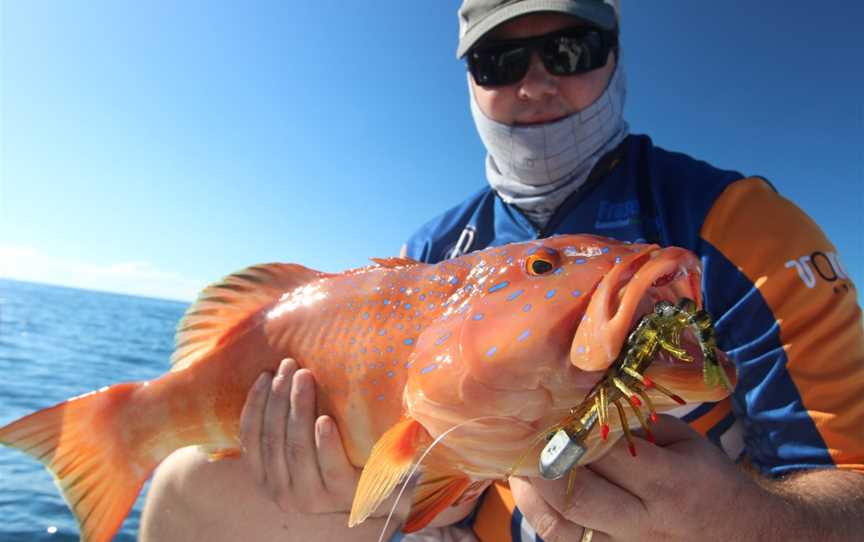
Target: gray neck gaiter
[{"x": 537, "y": 167}]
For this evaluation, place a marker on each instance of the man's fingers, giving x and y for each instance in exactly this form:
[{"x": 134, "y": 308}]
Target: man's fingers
[
  {"x": 300, "y": 448},
  {"x": 670, "y": 430},
  {"x": 273, "y": 435},
  {"x": 593, "y": 502},
  {"x": 251, "y": 422},
  {"x": 656, "y": 467},
  {"x": 534, "y": 497},
  {"x": 337, "y": 473}
]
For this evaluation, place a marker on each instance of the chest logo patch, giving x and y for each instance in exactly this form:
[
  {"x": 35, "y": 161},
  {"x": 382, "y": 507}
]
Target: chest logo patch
[{"x": 617, "y": 214}]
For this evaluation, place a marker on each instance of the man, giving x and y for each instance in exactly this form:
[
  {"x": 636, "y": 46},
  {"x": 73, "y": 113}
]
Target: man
[{"x": 547, "y": 90}]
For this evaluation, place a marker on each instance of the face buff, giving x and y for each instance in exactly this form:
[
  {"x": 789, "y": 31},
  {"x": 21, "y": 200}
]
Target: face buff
[{"x": 537, "y": 167}]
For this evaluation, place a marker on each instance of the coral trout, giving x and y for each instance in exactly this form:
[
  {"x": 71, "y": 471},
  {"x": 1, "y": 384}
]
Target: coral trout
[{"x": 504, "y": 341}]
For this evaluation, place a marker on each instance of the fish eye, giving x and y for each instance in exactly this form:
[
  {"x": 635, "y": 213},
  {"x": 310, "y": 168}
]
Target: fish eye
[{"x": 542, "y": 262}]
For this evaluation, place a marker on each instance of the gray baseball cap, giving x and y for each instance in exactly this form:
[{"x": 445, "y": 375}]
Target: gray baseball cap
[{"x": 477, "y": 17}]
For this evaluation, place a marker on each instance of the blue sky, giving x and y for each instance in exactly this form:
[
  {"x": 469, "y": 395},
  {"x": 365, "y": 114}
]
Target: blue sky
[{"x": 153, "y": 147}]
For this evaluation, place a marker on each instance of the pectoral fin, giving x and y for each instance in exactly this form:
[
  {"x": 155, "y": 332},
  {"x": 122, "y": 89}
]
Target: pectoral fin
[
  {"x": 218, "y": 454},
  {"x": 433, "y": 494},
  {"x": 389, "y": 462}
]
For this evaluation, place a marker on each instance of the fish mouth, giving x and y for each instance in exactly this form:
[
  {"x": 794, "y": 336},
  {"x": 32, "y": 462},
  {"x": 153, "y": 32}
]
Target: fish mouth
[{"x": 629, "y": 292}]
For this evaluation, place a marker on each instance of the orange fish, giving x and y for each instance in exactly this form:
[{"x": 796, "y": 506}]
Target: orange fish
[{"x": 401, "y": 352}]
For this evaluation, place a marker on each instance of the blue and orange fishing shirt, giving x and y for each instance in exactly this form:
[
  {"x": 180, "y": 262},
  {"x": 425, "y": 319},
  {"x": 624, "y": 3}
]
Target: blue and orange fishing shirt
[{"x": 784, "y": 309}]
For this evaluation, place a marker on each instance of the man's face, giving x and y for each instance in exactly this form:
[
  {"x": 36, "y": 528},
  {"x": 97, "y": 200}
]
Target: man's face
[{"x": 540, "y": 96}]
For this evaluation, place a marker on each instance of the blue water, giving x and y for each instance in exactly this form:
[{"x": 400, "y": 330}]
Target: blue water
[{"x": 56, "y": 343}]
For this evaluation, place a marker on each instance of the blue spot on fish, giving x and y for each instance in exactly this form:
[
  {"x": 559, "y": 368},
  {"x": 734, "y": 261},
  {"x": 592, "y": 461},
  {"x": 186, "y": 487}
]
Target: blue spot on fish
[
  {"x": 526, "y": 308},
  {"x": 365, "y": 315},
  {"x": 550, "y": 294},
  {"x": 382, "y": 332},
  {"x": 579, "y": 261},
  {"x": 453, "y": 280},
  {"x": 443, "y": 338},
  {"x": 390, "y": 374},
  {"x": 558, "y": 271},
  {"x": 524, "y": 335},
  {"x": 604, "y": 250},
  {"x": 422, "y": 297},
  {"x": 515, "y": 294},
  {"x": 380, "y": 397},
  {"x": 409, "y": 341},
  {"x": 478, "y": 316},
  {"x": 492, "y": 351},
  {"x": 402, "y": 289},
  {"x": 386, "y": 301},
  {"x": 499, "y": 286},
  {"x": 576, "y": 293},
  {"x": 407, "y": 306},
  {"x": 617, "y": 259},
  {"x": 389, "y": 348},
  {"x": 429, "y": 368}
]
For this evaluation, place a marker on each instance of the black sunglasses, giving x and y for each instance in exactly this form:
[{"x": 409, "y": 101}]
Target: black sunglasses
[{"x": 565, "y": 52}]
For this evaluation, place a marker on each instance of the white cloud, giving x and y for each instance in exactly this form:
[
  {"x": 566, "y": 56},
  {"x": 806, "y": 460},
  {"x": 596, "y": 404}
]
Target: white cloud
[{"x": 136, "y": 278}]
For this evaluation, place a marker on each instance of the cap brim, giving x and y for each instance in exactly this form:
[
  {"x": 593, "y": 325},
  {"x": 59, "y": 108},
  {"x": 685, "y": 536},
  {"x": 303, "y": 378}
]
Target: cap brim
[{"x": 600, "y": 14}]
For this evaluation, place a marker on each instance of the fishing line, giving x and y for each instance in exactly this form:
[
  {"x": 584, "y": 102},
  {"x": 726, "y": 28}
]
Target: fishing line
[{"x": 419, "y": 461}]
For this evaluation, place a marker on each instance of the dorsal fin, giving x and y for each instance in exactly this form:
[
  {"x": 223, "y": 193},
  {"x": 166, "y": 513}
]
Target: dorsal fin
[
  {"x": 222, "y": 306},
  {"x": 395, "y": 261}
]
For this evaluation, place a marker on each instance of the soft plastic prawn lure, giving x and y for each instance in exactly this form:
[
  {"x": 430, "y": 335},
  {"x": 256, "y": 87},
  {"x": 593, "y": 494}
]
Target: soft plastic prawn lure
[{"x": 625, "y": 382}]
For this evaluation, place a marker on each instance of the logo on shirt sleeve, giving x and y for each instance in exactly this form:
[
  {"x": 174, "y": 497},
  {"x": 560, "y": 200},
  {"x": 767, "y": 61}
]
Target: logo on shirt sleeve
[{"x": 820, "y": 265}]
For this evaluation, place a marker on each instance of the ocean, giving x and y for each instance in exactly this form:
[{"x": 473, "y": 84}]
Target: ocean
[{"x": 56, "y": 343}]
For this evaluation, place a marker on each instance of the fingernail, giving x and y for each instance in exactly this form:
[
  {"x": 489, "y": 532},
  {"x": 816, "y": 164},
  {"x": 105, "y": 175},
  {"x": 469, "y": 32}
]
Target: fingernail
[
  {"x": 261, "y": 382},
  {"x": 325, "y": 427},
  {"x": 303, "y": 381},
  {"x": 286, "y": 366}
]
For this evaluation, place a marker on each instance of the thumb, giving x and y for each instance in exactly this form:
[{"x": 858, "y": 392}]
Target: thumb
[{"x": 670, "y": 430}]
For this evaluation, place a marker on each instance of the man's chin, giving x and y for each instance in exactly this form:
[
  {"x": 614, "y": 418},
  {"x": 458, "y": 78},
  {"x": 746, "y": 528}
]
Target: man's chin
[{"x": 535, "y": 121}]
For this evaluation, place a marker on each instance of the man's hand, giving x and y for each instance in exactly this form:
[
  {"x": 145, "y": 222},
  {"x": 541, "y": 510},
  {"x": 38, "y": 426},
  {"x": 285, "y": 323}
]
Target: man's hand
[
  {"x": 683, "y": 488},
  {"x": 297, "y": 460}
]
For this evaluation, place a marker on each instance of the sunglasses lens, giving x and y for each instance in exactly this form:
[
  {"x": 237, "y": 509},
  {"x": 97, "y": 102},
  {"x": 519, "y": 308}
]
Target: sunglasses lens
[
  {"x": 568, "y": 52},
  {"x": 498, "y": 66},
  {"x": 569, "y": 55}
]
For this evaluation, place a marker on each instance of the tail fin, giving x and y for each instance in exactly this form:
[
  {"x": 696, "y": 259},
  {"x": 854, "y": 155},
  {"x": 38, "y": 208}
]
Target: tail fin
[{"x": 88, "y": 448}]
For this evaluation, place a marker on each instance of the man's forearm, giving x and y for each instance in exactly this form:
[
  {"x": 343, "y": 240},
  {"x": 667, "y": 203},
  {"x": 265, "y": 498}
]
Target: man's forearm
[{"x": 825, "y": 505}]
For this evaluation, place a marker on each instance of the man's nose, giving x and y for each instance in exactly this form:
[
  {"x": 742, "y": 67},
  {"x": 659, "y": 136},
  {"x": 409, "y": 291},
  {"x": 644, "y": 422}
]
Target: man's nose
[{"x": 537, "y": 83}]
